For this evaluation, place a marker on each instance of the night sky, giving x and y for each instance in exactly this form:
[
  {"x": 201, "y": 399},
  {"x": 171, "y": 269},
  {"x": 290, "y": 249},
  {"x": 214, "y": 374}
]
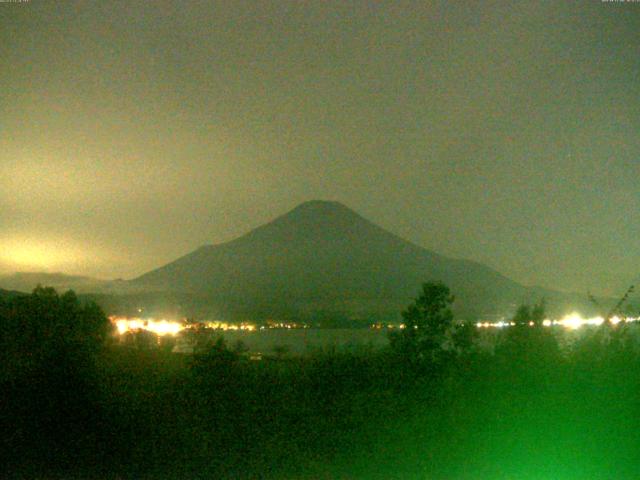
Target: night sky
[{"x": 505, "y": 132}]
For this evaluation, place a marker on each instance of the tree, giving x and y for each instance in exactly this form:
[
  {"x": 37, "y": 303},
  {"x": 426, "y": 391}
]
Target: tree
[
  {"x": 528, "y": 342},
  {"x": 538, "y": 312},
  {"x": 522, "y": 316},
  {"x": 526, "y": 314},
  {"x": 428, "y": 323},
  {"x": 44, "y": 326},
  {"x": 464, "y": 337},
  {"x": 213, "y": 355},
  {"x": 49, "y": 346}
]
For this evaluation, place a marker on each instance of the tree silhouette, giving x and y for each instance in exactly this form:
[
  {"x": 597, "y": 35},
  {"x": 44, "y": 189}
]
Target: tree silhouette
[
  {"x": 428, "y": 321},
  {"x": 528, "y": 342},
  {"x": 43, "y": 326},
  {"x": 523, "y": 315},
  {"x": 49, "y": 346},
  {"x": 526, "y": 314}
]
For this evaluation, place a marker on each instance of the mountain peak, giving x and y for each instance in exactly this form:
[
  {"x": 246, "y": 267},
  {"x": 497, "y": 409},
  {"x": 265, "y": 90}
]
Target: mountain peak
[
  {"x": 316, "y": 207},
  {"x": 317, "y": 203},
  {"x": 316, "y": 217}
]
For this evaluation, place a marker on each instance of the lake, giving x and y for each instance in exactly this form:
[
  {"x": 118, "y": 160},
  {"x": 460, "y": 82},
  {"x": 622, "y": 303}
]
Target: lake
[{"x": 301, "y": 341}]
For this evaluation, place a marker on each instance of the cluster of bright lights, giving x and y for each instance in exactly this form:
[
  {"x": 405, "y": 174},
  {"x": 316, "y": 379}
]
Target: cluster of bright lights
[
  {"x": 573, "y": 321},
  {"x": 159, "y": 327},
  {"x": 285, "y": 325},
  {"x": 249, "y": 327},
  {"x": 499, "y": 324},
  {"x": 389, "y": 326},
  {"x": 167, "y": 327}
]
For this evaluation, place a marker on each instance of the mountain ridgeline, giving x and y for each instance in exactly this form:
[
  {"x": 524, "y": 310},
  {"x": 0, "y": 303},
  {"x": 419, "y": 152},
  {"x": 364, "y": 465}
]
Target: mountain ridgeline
[
  {"x": 322, "y": 258},
  {"x": 27, "y": 281}
]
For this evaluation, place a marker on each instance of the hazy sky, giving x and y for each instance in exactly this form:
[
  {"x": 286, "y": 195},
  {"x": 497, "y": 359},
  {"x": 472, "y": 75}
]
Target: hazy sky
[{"x": 506, "y": 132}]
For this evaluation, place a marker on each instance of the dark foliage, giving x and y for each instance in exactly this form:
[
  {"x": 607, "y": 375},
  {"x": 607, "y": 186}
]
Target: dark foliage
[
  {"x": 528, "y": 343},
  {"x": 430, "y": 338},
  {"x": 49, "y": 344},
  {"x": 73, "y": 408}
]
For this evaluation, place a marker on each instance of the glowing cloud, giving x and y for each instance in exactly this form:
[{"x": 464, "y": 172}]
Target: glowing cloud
[{"x": 28, "y": 254}]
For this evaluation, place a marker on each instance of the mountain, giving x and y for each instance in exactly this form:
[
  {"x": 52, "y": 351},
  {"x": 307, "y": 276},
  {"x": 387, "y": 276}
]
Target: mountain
[
  {"x": 323, "y": 258},
  {"x": 27, "y": 281},
  {"x": 6, "y": 294}
]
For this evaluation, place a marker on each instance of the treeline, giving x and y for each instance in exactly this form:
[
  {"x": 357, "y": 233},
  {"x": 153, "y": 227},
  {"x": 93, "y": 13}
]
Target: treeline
[{"x": 432, "y": 405}]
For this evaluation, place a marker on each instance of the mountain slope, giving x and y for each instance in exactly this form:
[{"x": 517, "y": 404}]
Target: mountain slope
[
  {"x": 323, "y": 256},
  {"x": 27, "y": 281}
]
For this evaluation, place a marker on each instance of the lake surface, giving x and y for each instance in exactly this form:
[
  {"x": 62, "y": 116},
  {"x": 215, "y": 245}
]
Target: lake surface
[{"x": 306, "y": 341}]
